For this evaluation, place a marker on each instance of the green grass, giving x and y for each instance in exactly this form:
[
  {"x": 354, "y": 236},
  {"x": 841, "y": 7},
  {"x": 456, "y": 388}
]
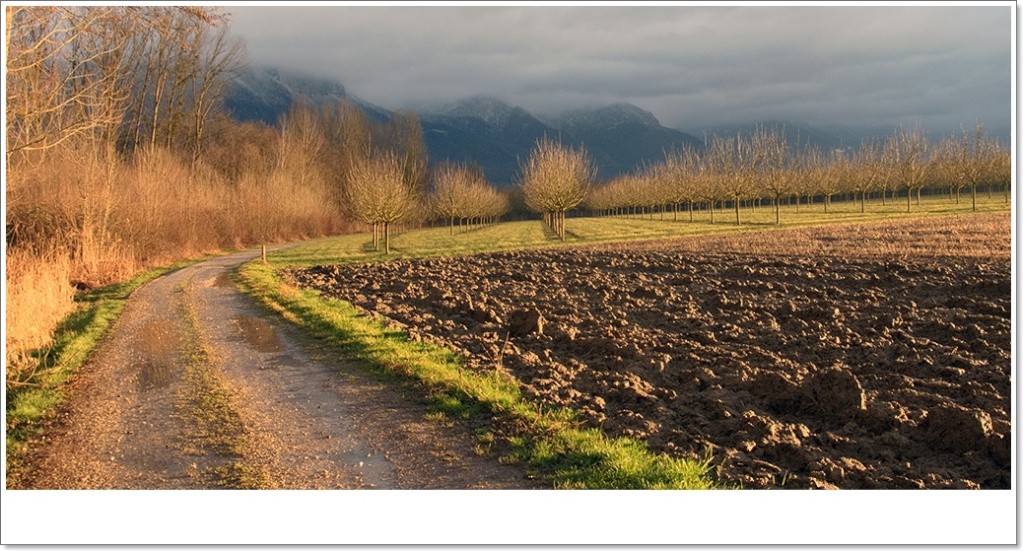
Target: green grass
[
  {"x": 29, "y": 404},
  {"x": 533, "y": 234},
  {"x": 551, "y": 443}
]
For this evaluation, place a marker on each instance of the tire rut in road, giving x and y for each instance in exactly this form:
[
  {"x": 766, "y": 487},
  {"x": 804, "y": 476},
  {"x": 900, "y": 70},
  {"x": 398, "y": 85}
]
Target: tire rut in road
[
  {"x": 118, "y": 428},
  {"x": 313, "y": 425}
]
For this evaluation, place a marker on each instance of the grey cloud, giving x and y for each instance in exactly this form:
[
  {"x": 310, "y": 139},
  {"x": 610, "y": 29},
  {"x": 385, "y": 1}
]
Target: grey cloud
[{"x": 690, "y": 66}]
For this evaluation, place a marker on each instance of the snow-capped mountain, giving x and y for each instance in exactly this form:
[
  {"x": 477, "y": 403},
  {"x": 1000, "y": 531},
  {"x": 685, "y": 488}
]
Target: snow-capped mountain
[{"x": 265, "y": 94}]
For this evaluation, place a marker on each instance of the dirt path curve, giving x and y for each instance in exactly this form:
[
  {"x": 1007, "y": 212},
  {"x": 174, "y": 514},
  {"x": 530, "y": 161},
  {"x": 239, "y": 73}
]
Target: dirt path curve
[{"x": 196, "y": 388}]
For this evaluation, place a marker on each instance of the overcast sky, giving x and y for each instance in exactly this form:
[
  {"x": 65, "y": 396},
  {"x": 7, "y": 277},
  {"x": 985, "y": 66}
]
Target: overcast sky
[{"x": 691, "y": 66}]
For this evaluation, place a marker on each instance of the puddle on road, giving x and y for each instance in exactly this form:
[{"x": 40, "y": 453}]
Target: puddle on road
[
  {"x": 287, "y": 360},
  {"x": 158, "y": 342},
  {"x": 259, "y": 334},
  {"x": 155, "y": 374}
]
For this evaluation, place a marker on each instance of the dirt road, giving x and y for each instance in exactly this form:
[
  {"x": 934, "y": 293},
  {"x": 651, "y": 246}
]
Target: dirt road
[{"x": 196, "y": 388}]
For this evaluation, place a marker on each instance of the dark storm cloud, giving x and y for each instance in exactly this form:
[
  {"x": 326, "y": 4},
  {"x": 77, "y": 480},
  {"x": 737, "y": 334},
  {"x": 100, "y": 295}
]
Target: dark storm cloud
[{"x": 690, "y": 66}]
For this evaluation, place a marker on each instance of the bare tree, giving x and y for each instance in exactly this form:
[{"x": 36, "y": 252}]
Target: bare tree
[
  {"x": 555, "y": 179},
  {"x": 828, "y": 173},
  {"x": 378, "y": 194},
  {"x": 64, "y": 68},
  {"x": 774, "y": 172},
  {"x": 866, "y": 172},
  {"x": 908, "y": 151},
  {"x": 447, "y": 200},
  {"x": 1001, "y": 167},
  {"x": 219, "y": 58},
  {"x": 679, "y": 174},
  {"x": 461, "y": 193},
  {"x": 733, "y": 163}
]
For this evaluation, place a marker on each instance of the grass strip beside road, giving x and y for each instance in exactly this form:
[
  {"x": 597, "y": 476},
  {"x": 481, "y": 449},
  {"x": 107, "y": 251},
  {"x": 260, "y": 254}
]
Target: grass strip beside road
[{"x": 552, "y": 443}]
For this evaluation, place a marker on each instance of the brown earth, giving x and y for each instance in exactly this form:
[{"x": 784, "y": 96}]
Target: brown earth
[
  {"x": 870, "y": 358},
  {"x": 293, "y": 418}
]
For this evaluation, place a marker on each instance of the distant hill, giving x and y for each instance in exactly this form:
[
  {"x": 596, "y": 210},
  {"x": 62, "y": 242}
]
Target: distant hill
[
  {"x": 483, "y": 131},
  {"x": 619, "y": 138},
  {"x": 479, "y": 130}
]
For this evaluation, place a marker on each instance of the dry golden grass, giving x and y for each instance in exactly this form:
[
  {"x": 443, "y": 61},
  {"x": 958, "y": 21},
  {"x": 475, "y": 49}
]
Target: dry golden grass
[{"x": 39, "y": 297}]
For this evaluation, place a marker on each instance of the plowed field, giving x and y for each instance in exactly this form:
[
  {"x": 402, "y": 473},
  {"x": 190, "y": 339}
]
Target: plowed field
[{"x": 853, "y": 357}]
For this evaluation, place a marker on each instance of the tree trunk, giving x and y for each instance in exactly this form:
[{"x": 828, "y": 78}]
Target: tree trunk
[
  {"x": 974, "y": 189},
  {"x": 909, "y": 199},
  {"x": 736, "y": 210},
  {"x": 690, "y": 211},
  {"x": 777, "y": 209},
  {"x": 387, "y": 238}
]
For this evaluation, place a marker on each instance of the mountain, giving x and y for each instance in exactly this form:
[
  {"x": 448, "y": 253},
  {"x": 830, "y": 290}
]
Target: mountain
[
  {"x": 481, "y": 130},
  {"x": 484, "y": 131},
  {"x": 621, "y": 137},
  {"x": 264, "y": 94}
]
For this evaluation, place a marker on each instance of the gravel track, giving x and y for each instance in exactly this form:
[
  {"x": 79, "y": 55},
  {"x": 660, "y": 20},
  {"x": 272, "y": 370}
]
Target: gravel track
[{"x": 307, "y": 422}]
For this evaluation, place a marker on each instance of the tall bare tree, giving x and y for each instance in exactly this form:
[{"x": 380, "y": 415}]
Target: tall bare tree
[
  {"x": 555, "y": 179},
  {"x": 774, "y": 174},
  {"x": 909, "y": 152},
  {"x": 733, "y": 163}
]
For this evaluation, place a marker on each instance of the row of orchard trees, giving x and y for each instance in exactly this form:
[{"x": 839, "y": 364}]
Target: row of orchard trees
[
  {"x": 461, "y": 195},
  {"x": 763, "y": 166}
]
